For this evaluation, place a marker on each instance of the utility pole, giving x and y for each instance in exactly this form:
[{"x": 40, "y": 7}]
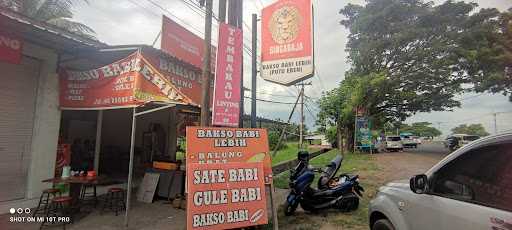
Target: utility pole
[
  {"x": 240, "y": 17},
  {"x": 205, "y": 98},
  {"x": 495, "y": 123},
  {"x": 222, "y": 10},
  {"x": 301, "y": 126},
  {"x": 235, "y": 18},
  {"x": 254, "y": 68}
]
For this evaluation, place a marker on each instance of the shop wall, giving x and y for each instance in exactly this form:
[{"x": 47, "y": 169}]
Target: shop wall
[{"x": 43, "y": 146}]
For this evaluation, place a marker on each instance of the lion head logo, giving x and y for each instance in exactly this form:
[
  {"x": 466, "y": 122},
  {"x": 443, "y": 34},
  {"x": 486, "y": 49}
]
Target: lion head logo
[{"x": 284, "y": 24}]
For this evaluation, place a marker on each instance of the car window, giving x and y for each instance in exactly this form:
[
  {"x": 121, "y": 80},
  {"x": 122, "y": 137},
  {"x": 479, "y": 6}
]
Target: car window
[
  {"x": 393, "y": 138},
  {"x": 471, "y": 138},
  {"x": 482, "y": 175}
]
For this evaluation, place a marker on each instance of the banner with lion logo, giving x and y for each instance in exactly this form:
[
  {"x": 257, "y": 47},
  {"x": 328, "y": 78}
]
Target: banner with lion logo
[{"x": 287, "y": 46}]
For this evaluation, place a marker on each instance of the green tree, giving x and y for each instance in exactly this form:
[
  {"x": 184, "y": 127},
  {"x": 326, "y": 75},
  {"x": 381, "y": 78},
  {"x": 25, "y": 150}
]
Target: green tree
[
  {"x": 55, "y": 12},
  {"x": 472, "y": 129},
  {"x": 422, "y": 129},
  {"x": 500, "y": 82},
  {"x": 425, "y": 52}
]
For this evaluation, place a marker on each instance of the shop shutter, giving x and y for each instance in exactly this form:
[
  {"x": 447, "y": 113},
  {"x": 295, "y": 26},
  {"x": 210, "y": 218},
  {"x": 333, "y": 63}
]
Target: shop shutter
[{"x": 17, "y": 106}]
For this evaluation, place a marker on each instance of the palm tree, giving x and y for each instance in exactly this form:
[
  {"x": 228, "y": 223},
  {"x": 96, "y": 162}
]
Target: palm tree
[{"x": 55, "y": 12}]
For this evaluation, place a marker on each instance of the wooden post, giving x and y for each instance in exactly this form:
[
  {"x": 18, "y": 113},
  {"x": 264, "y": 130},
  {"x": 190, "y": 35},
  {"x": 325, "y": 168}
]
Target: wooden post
[
  {"x": 254, "y": 69},
  {"x": 172, "y": 134},
  {"x": 205, "y": 99}
]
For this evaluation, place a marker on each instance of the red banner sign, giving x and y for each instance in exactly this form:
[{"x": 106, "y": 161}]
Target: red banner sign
[
  {"x": 127, "y": 82},
  {"x": 287, "y": 47},
  {"x": 225, "y": 196},
  {"x": 226, "y": 99},
  {"x": 10, "y": 48},
  {"x": 186, "y": 78},
  {"x": 208, "y": 145},
  {"x": 183, "y": 44}
]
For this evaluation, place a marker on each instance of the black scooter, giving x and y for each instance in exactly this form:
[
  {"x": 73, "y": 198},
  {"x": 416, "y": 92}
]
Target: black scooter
[{"x": 340, "y": 192}]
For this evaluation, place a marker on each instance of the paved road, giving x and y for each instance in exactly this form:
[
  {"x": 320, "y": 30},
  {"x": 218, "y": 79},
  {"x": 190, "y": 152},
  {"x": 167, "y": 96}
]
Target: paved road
[
  {"x": 404, "y": 165},
  {"x": 430, "y": 147}
]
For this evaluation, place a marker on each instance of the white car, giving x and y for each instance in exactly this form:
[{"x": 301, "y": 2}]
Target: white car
[
  {"x": 409, "y": 142},
  {"x": 394, "y": 143},
  {"x": 469, "y": 189},
  {"x": 417, "y": 139}
]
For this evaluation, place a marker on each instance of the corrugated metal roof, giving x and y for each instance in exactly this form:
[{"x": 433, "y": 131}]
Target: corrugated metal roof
[{"x": 44, "y": 34}]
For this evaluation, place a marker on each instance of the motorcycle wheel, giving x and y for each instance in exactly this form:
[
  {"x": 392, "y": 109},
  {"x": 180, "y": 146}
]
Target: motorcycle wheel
[
  {"x": 308, "y": 208},
  {"x": 348, "y": 204},
  {"x": 289, "y": 209}
]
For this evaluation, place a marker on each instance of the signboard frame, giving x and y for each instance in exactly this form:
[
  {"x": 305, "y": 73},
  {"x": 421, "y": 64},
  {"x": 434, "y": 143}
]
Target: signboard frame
[{"x": 287, "y": 59}]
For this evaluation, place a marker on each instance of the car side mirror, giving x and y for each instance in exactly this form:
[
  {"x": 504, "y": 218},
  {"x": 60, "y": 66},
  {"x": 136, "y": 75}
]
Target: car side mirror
[{"x": 419, "y": 184}]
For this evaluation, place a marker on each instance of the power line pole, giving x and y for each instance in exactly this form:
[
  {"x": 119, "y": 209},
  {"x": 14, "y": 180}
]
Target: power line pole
[
  {"x": 495, "y": 123},
  {"x": 254, "y": 69},
  {"x": 239, "y": 19},
  {"x": 301, "y": 126},
  {"x": 235, "y": 18},
  {"x": 205, "y": 98},
  {"x": 222, "y": 10}
]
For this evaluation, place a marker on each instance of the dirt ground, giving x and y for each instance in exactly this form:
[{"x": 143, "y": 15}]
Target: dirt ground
[
  {"x": 404, "y": 165},
  {"x": 389, "y": 167},
  {"x": 374, "y": 171}
]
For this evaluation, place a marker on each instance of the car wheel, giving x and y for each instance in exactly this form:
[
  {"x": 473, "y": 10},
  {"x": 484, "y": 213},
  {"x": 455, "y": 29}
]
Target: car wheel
[{"x": 383, "y": 224}]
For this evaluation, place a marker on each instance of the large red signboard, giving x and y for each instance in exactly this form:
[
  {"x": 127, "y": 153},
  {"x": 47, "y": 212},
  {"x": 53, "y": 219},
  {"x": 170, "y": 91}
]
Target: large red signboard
[
  {"x": 287, "y": 44},
  {"x": 226, "y": 101},
  {"x": 209, "y": 145},
  {"x": 183, "y": 44},
  {"x": 10, "y": 48},
  {"x": 225, "y": 196}
]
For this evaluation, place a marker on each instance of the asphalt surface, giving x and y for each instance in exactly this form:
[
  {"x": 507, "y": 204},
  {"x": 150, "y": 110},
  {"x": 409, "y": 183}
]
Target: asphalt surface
[{"x": 429, "y": 147}]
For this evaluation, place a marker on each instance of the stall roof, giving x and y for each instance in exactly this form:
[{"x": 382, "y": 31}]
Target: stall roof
[
  {"x": 109, "y": 54},
  {"x": 44, "y": 34}
]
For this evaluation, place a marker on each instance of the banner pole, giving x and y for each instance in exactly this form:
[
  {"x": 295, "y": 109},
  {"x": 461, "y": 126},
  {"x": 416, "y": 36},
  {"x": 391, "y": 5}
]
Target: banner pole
[
  {"x": 130, "y": 168},
  {"x": 275, "y": 222}
]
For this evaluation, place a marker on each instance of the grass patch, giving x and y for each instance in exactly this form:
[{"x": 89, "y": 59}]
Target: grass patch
[
  {"x": 361, "y": 164},
  {"x": 289, "y": 152}
]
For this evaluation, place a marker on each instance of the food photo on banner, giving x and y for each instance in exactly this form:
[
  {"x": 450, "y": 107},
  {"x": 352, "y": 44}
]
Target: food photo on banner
[{"x": 287, "y": 42}]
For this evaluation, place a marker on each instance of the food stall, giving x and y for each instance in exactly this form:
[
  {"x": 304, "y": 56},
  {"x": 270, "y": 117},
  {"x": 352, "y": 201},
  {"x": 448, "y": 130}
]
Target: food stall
[{"x": 127, "y": 107}]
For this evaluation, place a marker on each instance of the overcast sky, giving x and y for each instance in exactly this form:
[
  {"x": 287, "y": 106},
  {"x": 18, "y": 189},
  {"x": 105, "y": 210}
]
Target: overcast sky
[{"x": 139, "y": 22}]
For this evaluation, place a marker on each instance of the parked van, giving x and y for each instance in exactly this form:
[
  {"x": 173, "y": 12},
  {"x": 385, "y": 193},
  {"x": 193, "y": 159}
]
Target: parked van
[{"x": 394, "y": 143}]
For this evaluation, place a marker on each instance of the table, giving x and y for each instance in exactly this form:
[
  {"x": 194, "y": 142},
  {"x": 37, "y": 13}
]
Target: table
[{"x": 76, "y": 183}]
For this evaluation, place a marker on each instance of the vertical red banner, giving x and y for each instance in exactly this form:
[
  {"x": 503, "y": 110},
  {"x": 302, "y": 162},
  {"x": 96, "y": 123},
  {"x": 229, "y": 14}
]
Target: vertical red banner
[{"x": 226, "y": 97}]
